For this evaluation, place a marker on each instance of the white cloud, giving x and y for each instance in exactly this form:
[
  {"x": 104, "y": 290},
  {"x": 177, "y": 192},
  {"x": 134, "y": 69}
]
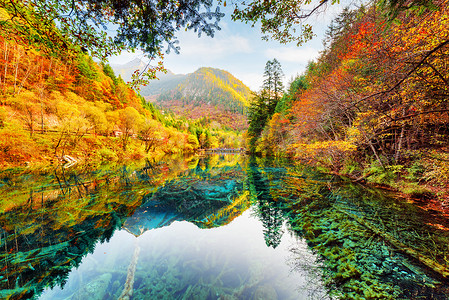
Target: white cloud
[
  {"x": 252, "y": 80},
  {"x": 292, "y": 54},
  {"x": 213, "y": 48}
]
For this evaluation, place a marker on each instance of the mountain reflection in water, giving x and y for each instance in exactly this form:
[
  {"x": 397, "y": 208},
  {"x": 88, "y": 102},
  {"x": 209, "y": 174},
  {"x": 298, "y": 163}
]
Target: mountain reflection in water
[{"x": 217, "y": 227}]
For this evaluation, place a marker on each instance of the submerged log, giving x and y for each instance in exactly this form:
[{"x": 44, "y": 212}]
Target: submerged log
[
  {"x": 128, "y": 289},
  {"x": 430, "y": 263},
  {"x": 70, "y": 161}
]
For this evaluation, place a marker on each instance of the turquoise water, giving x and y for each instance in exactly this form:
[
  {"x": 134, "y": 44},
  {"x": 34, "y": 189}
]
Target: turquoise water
[
  {"x": 217, "y": 227},
  {"x": 182, "y": 261}
]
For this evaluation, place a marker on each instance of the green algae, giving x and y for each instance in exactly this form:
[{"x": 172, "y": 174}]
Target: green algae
[{"x": 369, "y": 243}]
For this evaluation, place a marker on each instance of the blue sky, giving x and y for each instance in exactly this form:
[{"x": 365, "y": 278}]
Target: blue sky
[{"x": 239, "y": 49}]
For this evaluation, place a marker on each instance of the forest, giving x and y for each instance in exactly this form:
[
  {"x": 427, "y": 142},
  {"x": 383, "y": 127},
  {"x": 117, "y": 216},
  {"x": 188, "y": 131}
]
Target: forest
[
  {"x": 211, "y": 93},
  {"x": 373, "y": 106},
  {"x": 55, "y": 108}
]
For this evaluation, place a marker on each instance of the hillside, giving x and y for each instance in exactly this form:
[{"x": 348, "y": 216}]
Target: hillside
[
  {"x": 69, "y": 107},
  {"x": 374, "y": 106},
  {"x": 209, "y": 93}
]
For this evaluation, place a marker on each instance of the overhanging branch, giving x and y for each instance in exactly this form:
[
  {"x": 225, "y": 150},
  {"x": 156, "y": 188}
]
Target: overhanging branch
[{"x": 421, "y": 62}]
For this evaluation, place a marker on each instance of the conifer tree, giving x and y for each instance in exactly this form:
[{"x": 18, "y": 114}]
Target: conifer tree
[
  {"x": 264, "y": 103},
  {"x": 273, "y": 84},
  {"x": 257, "y": 116},
  {"x": 268, "y": 76}
]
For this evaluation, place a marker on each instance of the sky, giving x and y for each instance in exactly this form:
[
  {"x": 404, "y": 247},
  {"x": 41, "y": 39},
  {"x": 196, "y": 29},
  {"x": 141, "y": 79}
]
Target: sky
[{"x": 239, "y": 49}]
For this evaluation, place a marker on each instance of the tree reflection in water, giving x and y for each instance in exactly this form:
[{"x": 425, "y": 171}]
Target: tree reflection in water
[
  {"x": 305, "y": 262},
  {"x": 269, "y": 211},
  {"x": 365, "y": 243}
]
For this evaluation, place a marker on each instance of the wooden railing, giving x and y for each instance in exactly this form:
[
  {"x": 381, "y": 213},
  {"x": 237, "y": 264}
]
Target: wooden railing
[{"x": 223, "y": 150}]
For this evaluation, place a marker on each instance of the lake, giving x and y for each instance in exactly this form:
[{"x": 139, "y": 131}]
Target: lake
[{"x": 214, "y": 227}]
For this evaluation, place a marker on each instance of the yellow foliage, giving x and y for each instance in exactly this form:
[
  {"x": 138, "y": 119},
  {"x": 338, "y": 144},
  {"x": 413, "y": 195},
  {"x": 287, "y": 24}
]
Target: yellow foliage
[
  {"x": 74, "y": 98},
  {"x": 20, "y": 101},
  {"x": 66, "y": 110},
  {"x": 329, "y": 154}
]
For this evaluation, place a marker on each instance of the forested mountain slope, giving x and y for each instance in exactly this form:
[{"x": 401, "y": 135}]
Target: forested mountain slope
[
  {"x": 212, "y": 93},
  {"x": 63, "y": 107},
  {"x": 208, "y": 93},
  {"x": 374, "y": 105}
]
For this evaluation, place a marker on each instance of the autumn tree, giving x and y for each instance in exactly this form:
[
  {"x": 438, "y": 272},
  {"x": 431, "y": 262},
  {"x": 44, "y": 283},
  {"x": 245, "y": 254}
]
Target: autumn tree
[
  {"x": 289, "y": 20},
  {"x": 129, "y": 122},
  {"x": 96, "y": 117},
  {"x": 3, "y": 117},
  {"x": 274, "y": 138},
  {"x": 151, "y": 133},
  {"x": 107, "y": 27}
]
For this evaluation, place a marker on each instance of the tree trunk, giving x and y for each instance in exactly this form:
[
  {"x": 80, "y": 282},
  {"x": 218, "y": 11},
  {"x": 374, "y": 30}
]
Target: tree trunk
[
  {"x": 41, "y": 95},
  {"x": 375, "y": 152},
  {"x": 16, "y": 68},
  {"x": 29, "y": 69},
  {"x": 6, "y": 64},
  {"x": 398, "y": 148}
]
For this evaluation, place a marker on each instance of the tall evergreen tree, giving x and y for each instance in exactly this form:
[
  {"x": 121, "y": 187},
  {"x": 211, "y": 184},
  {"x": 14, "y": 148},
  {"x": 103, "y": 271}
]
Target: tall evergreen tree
[
  {"x": 264, "y": 103},
  {"x": 268, "y": 76},
  {"x": 278, "y": 86},
  {"x": 273, "y": 84}
]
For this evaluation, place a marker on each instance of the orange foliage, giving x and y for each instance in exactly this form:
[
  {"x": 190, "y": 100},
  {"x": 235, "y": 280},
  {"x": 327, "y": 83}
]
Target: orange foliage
[{"x": 383, "y": 89}]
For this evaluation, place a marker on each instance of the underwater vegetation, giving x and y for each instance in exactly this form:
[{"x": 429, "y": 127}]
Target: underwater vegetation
[{"x": 372, "y": 245}]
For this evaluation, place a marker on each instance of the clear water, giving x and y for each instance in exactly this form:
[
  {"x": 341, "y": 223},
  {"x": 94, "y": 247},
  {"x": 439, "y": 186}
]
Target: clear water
[
  {"x": 182, "y": 261},
  {"x": 219, "y": 227}
]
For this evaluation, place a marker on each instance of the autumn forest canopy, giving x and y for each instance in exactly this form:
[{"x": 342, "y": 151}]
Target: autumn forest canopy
[{"x": 374, "y": 105}]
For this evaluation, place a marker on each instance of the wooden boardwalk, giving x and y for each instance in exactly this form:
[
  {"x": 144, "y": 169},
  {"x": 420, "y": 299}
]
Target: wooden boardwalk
[{"x": 223, "y": 150}]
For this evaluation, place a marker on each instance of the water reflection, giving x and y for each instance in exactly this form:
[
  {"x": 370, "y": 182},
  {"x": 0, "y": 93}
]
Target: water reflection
[
  {"x": 182, "y": 261},
  {"x": 216, "y": 227}
]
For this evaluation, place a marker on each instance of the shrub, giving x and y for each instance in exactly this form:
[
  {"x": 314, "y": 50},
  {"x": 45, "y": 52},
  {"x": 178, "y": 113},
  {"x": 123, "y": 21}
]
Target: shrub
[
  {"x": 415, "y": 171},
  {"x": 106, "y": 154},
  {"x": 375, "y": 173},
  {"x": 437, "y": 168}
]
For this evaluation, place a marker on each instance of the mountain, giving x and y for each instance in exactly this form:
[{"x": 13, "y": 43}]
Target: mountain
[
  {"x": 126, "y": 70},
  {"x": 210, "y": 86},
  {"x": 209, "y": 93}
]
